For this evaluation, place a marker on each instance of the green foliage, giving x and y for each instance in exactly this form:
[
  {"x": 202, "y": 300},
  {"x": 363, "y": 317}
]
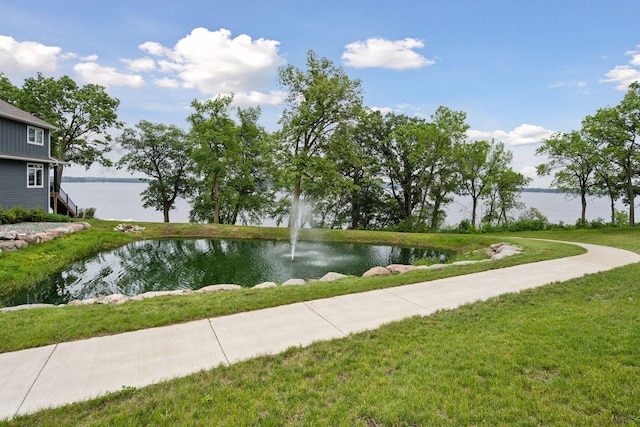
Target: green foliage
[
  {"x": 86, "y": 213},
  {"x": 83, "y": 116},
  {"x": 162, "y": 153}
]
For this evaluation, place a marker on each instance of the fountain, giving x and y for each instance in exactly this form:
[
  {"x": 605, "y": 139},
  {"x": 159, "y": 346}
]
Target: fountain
[{"x": 294, "y": 226}]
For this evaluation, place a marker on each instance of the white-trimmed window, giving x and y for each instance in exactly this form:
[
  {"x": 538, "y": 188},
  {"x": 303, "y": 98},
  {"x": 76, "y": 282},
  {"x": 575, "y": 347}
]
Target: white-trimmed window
[
  {"x": 35, "y": 175},
  {"x": 35, "y": 135}
]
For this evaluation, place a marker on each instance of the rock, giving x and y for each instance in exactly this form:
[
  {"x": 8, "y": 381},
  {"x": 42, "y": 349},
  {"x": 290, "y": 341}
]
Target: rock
[
  {"x": 25, "y": 307},
  {"x": 8, "y": 235},
  {"x": 294, "y": 282},
  {"x": 112, "y": 299},
  {"x": 330, "y": 277},
  {"x": 265, "y": 285},
  {"x": 400, "y": 268},
  {"x": 153, "y": 294},
  {"x": 7, "y": 246},
  {"x": 436, "y": 266},
  {"x": 46, "y": 237},
  {"x": 464, "y": 262},
  {"x": 31, "y": 238},
  {"x": 376, "y": 271},
  {"x": 20, "y": 244},
  {"x": 422, "y": 267},
  {"x": 216, "y": 288},
  {"x": 75, "y": 302}
]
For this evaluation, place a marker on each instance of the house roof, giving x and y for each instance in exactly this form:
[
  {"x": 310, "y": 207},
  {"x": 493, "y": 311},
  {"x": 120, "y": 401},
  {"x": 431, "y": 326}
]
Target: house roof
[
  {"x": 10, "y": 112},
  {"x": 35, "y": 159}
]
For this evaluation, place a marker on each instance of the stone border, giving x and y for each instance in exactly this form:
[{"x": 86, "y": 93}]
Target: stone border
[
  {"x": 495, "y": 252},
  {"x": 13, "y": 240}
]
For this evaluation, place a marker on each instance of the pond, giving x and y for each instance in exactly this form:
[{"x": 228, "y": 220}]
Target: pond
[{"x": 168, "y": 264}]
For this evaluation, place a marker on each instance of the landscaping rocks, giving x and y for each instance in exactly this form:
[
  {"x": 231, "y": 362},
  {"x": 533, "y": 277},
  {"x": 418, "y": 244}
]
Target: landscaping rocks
[
  {"x": 400, "y": 268},
  {"x": 217, "y": 288},
  {"x": 330, "y": 277},
  {"x": 265, "y": 285},
  {"x": 129, "y": 228},
  {"x": 19, "y": 236},
  {"x": 376, "y": 271},
  {"x": 294, "y": 282}
]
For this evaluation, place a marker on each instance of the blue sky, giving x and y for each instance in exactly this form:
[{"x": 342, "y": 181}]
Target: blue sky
[{"x": 519, "y": 69}]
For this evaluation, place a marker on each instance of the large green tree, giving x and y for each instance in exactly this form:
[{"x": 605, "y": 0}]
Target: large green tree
[
  {"x": 572, "y": 159},
  {"x": 83, "y": 116},
  {"x": 162, "y": 152},
  {"x": 319, "y": 98},
  {"x": 232, "y": 163},
  {"x": 616, "y": 130},
  {"x": 479, "y": 164}
]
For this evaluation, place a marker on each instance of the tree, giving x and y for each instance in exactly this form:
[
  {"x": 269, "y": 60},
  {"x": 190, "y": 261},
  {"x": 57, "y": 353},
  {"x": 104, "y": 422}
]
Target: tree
[
  {"x": 163, "y": 153},
  {"x": 573, "y": 160},
  {"x": 82, "y": 115},
  {"x": 616, "y": 130},
  {"x": 320, "y": 97},
  {"x": 214, "y": 134},
  {"x": 8, "y": 92},
  {"x": 232, "y": 162},
  {"x": 479, "y": 164},
  {"x": 447, "y": 130},
  {"x": 353, "y": 149},
  {"x": 504, "y": 194}
]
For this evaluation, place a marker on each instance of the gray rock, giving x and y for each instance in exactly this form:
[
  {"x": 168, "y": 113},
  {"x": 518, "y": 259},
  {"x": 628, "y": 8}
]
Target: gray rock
[
  {"x": 376, "y": 271},
  {"x": 154, "y": 294},
  {"x": 330, "y": 277},
  {"x": 265, "y": 285},
  {"x": 217, "y": 288},
  {"x": 25, "y": 307},
  {"x": 294, "y": 282},
  {"x": 8, "y": 235},
  {"x": 112, "y": 299},
  {"x": 400, "y": 268}
]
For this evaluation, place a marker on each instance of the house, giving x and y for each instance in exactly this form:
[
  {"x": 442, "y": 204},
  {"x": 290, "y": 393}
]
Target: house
[{"x": 26, "y": 163}]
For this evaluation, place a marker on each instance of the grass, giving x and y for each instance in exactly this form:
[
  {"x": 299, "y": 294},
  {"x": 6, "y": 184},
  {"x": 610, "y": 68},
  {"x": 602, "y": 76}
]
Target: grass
[
  {"x": 38, "y": 327},
  {"x": 562, "y": 354}
]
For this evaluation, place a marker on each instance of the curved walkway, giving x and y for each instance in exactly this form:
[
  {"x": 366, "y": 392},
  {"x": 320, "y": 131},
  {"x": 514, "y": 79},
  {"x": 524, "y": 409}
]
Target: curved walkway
[{"x": 63, "y": 373}]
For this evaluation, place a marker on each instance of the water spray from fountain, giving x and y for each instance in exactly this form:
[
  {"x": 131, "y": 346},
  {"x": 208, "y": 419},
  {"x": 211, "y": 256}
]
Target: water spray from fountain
[{"x": 295, "y": 223}]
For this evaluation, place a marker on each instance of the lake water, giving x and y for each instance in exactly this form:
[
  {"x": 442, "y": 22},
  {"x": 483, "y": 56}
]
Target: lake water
[{"x": 122, "y": 201}]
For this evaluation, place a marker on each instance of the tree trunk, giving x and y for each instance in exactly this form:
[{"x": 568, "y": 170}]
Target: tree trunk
[
  {"x": 216, "y": 200},
  {"x": 613, "y": 209},
  {"x": 474, "y": 206},
  {"x": 583, "y": 201},
  {"x": 165, "y": 211},
  {"x": 631, "y": 197},
  {"x": 58, "y": 179}
]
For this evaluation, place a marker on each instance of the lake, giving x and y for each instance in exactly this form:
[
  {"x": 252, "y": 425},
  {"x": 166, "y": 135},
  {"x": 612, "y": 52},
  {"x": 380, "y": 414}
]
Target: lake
[{"x": 122, "y": 201}]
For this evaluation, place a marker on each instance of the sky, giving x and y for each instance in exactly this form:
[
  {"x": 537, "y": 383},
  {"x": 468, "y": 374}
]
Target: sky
[{"x": 519, "y": 69}]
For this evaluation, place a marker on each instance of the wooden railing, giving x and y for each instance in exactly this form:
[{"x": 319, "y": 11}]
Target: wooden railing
[{"x": 62, "y": 204}]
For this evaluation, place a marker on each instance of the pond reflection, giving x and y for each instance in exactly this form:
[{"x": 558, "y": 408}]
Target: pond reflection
[{"x": 160, "y": 265}]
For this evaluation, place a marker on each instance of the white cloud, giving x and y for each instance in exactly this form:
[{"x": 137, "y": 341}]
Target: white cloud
[
  {"x": 582, "y": 87},
  {"x": 27, "y": 57},
  {"x": 522, "y": 135},
  {"x": 142, "y": 65},
  {"x": 259, "y": 98},
  {"x": 624, "y": 75},
  {"x": 167, "y": 82},
  {"x": 529, "y": 171},
  {"x": 382, "y": 53},
  {"x": 91, "y": 72},
  {"x": 215, "y": 63}
]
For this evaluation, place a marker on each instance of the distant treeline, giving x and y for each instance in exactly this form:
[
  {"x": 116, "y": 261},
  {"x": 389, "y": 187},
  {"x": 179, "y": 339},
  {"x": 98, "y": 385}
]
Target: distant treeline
[{"x": 102, "y": 179}]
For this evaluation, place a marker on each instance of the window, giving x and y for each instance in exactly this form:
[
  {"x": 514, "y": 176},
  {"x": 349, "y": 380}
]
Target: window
[
  {"x": 35, "y": 136},
  {"x": 35, "y": 175}
]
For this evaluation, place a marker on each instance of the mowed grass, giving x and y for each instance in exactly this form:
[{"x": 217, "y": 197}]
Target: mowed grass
[
  {"x": 38, "y": 327},
  {"x": 563, "y": 354}
]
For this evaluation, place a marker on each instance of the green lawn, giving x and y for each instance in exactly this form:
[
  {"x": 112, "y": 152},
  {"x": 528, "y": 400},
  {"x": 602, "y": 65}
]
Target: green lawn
[{"x": 563, "y": 354}]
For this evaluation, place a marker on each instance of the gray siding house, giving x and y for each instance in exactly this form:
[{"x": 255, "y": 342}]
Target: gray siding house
[{"x": 25, "y": 161}]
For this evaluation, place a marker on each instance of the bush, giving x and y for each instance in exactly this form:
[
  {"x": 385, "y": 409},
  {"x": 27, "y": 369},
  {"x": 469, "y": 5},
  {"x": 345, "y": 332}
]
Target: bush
[
  {"x": 19, "y": 214},
  {"x": 86, "y": 213}
]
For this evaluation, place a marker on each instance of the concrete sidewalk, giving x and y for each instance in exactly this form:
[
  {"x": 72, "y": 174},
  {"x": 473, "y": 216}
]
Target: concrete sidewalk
[{"x": 68, "y": 372}]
